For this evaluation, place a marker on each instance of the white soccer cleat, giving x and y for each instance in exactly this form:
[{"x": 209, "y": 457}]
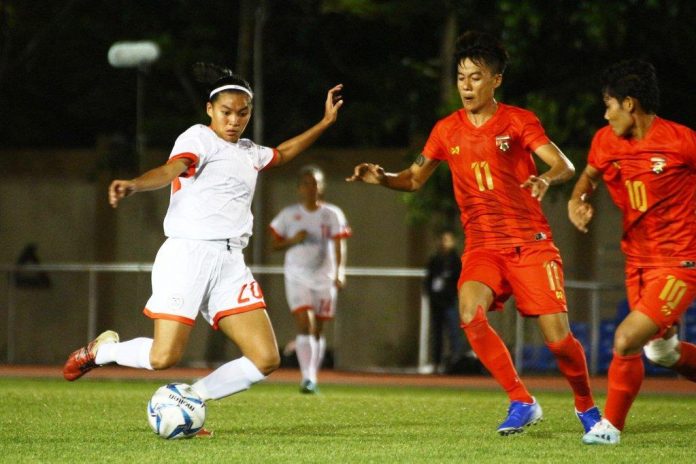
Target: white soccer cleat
[
  {"x": 603, "y": 433},
  {"x": 309, "y": 388},
  {"x": 589, "y": 418}
]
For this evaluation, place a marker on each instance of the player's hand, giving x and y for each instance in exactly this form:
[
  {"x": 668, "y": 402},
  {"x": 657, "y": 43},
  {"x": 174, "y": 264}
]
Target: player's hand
[
  {"x": 580, "y": 213},
  {"x": 340, "y": 283},
  {"x": 537, "y": 186},
  {"x": 299, "y": 237},
  {"x": 120, "y": 189},
  {"x": 334, "y": 101},
  {"x": 368, "y": 173}
]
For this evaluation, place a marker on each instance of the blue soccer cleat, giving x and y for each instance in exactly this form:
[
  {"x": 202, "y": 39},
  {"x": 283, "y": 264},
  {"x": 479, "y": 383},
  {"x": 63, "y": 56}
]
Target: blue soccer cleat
[
  {"x": 603, "y": 433},
  {"x": 520, "y": 415},
  {"x": 589, "y": 418}
]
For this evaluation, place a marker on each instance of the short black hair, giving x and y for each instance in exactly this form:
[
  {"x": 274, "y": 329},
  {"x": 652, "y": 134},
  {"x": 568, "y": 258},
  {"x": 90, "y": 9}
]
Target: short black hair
[
  {"x": 316, "y": 173},
  {"x": 215, "y": 76},
  {"x": 481, "y": 48},
  {"x": 632, "y": 78},
  {"x": 311, "y": 170}
]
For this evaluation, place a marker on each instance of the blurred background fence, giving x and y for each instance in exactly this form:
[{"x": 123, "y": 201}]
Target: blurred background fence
[{"x": 382, "y": 322}]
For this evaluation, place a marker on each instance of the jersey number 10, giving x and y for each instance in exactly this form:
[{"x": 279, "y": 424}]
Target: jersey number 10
[{"x": 637, "y": 195}]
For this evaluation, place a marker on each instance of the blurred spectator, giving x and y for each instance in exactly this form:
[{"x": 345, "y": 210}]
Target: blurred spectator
[
  {"x": 30, "y": 279},
  {"x": 441, "y": 285}
]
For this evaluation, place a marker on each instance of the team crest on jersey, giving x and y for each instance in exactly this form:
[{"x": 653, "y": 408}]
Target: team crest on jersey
[
  {"x": 454, "y": 150},
  {"x": 297, "y": 217},
  {"x": 658, "y": 164},
  {"x": 176, "y": 301},
  {"x": 502, "y": 142}
]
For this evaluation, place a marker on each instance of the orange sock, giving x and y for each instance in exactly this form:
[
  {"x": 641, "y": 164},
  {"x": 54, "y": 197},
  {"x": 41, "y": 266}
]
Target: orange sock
[
  {"x": 572, "y": 363},
  {"x": 495, "y": 356},
  {"x": 686, "y": 366},
  {"x": 625, "y": 378}
]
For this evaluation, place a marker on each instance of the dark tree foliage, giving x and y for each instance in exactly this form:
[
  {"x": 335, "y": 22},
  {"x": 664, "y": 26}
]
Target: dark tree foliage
[{"x": 57, "y": 88}]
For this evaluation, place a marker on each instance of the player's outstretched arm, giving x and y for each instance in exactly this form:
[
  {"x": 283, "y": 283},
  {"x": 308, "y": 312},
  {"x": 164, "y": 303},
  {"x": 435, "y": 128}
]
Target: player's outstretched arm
[
  {"x": 151, "y": 180},
  {"x": 408, "y": 180},
  {"x": 560, "y": 170},
  {"x": 580, "y": 211},
  {"x": 296, "y": 145}
]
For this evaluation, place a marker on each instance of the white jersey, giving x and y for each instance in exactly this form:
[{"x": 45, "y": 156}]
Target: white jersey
[
  {"x": 312, "y": 262},
  {"x": 211, "y": 200}
]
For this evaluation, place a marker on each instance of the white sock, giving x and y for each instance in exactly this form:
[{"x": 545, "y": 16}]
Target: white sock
[
  {"x": 321, "y": 350},
  {"x": 131, "y": 353},
  {"x": 228, "y": 379},
  {"x": 306, "y": 347}
]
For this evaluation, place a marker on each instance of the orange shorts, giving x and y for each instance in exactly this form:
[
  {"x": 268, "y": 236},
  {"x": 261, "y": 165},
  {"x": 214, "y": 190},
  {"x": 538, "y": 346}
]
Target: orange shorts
[
  {"x": 533, "y": 274},
  {"x": 662, "y": 293}
]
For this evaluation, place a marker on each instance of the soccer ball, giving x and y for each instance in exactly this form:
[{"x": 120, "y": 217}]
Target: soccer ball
[{"x": 176, "y": 411}]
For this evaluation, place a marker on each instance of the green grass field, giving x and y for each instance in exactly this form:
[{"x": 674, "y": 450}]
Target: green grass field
[{"x": 105, "y": 421}]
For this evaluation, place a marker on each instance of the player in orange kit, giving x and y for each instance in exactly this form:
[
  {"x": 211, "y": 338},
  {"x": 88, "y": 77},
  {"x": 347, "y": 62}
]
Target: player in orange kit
[
  {"x": 649, "y": 167},
  {"x": 509, "y": 250}
]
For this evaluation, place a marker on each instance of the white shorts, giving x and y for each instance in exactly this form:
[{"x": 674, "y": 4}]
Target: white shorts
[
  {"x": 192, "y": 276},
  {"x": 301, "y": 297}
]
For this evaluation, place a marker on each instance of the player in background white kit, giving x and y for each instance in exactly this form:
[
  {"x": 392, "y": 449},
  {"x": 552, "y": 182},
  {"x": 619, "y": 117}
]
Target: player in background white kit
[
  {"x": 200, "y": 267},
  {"x": 313, "y": 233}
]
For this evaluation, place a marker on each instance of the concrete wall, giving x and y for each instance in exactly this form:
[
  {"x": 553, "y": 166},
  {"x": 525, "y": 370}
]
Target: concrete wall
[{"x": 58, "y": 201}]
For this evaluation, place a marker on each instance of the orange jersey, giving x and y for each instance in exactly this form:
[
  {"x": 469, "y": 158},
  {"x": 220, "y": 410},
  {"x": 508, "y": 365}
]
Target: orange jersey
[
  {"x": 488, "y": 164},
  {"x": 653, "y": 182}
]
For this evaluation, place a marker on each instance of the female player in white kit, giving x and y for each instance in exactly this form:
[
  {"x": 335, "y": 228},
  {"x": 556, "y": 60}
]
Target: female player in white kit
[
  {"x": 200, "y": 267},
  {"x": 313, "y": 233}
]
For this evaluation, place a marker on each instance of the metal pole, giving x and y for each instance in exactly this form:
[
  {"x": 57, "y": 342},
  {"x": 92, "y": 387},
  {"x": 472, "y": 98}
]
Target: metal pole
[
  {"x": 92, "y": 306},
  {"x": 257, "y": 205},
  {"x": 11, "y": 317},
  {"x": 424, "y": 366},
  {"x": 139, "y": 117},
  {"x": 258, "y": 71},
  {"x": 594, "y": 331}
]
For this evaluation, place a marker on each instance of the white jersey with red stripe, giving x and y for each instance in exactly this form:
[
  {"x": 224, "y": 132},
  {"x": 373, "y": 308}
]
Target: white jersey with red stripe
[
  {"x": 313, "y": 261},
  {"x": 211, "y": 200}
]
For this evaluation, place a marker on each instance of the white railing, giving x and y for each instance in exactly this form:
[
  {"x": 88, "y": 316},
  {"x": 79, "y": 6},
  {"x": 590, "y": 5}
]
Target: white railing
[{"x": 594, "y": 288}]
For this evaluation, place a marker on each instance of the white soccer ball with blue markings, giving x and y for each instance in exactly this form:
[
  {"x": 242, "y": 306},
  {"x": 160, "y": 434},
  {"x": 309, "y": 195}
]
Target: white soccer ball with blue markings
[{"x": 176, "y": 411}]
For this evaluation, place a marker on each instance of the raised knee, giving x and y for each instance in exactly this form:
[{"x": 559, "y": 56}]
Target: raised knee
[
  {"x": 268, "y": 362},
  {"x": 663, "y": 352},
  {"x": 470, "y": 313},
  {"x": 626, "y": 344},
  {"x": 160, "y": 361},
  {"x": 621, "y": 343}
]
